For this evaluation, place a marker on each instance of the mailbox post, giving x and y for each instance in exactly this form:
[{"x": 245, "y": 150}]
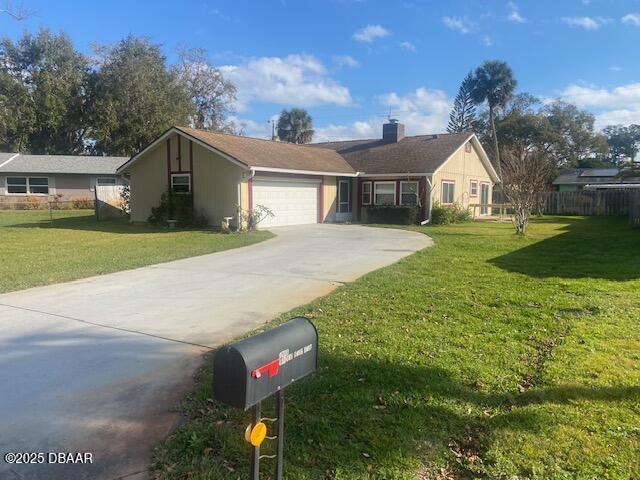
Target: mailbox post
[{"x": 253, "y": 369}]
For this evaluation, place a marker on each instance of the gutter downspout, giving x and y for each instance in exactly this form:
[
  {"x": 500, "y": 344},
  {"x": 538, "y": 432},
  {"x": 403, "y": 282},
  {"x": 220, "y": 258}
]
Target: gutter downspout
[{"x": 430, "y": 190}]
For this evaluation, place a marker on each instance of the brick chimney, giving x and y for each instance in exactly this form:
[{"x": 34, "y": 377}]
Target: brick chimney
[{"x": 393, "y": 131}]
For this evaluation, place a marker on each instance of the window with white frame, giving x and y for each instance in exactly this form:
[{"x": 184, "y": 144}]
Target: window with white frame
[
  {"x": 409, "y": 193},
  {"x": 467, "y": 147},
  {"x": 106, "y": 181},
  {"x": 473, "y": 188},
  {"x": 384, "y": 193},
  {"x": 448, "y": 192},
  {"x": 28, "y": 185},
  {"x": 366, "y": 193},
  {"x": 180, "y": 183}
]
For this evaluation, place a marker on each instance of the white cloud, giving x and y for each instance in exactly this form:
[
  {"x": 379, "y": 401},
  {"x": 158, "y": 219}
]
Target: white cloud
[
  {"x": 300, "y": 80},
  {"x": 611, "y": 106},
  {"x": 632, "y": 19},
  {"x": 371, "y": 128},
  {"x": 371, "y": 32},
  {"x": 593, "y": 96},
  {"x": 514, "y": 14},
  {"x": 487, "y": 41},
  {"x": 615, "y": 68},
  {"x": 422, "y": 111},
  {"x": 408, "y": 46},
  {"x": 251, "y": 128},
  {"x": 588, "y": 23},
  {"x": 618, "y": 117},
  {"x": 346, "y": 61},
  {"x": 460, "y": 24}
]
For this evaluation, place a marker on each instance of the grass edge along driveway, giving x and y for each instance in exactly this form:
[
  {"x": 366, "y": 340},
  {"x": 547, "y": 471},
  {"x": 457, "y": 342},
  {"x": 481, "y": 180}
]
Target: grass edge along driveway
[
  {"x": 485, "y": 356},
  {"x": 39, "y": 252}
]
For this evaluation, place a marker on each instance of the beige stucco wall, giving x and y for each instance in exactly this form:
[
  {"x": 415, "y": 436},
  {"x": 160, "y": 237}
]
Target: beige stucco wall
[
  {"x": 216, "y": 183},
  {"x": 329, "y": 197},
  {"x": 215, "y": 186},
  {"x": 148, "y": 180},
  {"x": 461, "y": 168}
]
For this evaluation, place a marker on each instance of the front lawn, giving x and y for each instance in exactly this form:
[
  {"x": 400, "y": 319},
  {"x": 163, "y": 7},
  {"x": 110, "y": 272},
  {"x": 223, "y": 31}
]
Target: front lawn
[
  {"x": 36, "y": 251},
  {"x": 488, "y": 356}
]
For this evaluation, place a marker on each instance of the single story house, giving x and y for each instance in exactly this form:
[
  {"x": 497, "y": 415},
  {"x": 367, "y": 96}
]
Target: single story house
[
  {"x": 65, "y": 177},
  {"x": 301, "y": 184},
  {"x": 575, "y": 179}
]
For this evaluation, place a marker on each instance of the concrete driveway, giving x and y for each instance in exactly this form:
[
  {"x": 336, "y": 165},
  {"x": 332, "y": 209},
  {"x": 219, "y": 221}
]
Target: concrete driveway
[{"x": 97, "y": 364}]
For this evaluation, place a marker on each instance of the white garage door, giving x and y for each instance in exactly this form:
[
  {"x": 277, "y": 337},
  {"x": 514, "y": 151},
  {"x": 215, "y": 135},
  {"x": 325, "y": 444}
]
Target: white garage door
[{"x": 292, "y": 202}]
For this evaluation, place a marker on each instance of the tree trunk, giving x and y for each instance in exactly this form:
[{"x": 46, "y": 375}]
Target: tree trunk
[
  {"x": 495, "y": 143},
  {"x": 521, "y": 219}
]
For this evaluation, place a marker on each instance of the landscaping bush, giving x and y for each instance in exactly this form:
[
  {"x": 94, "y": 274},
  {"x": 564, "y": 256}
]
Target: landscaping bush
[
  {"x": 178, "y": 207},
  {"x": 83, "y": 203},
  {"x": 401, "y": 215},
  {"x": 252, "y": 218},
  {"x": 444, "y": 215}
]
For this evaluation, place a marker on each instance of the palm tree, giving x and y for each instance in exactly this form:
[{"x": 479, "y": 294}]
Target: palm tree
[
  {"x": 295, "y": 126},
  {"x": 494, "y": 83}
]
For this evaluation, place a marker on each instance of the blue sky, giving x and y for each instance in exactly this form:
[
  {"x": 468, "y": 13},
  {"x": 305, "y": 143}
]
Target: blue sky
[{"x": 349, "y": 61}]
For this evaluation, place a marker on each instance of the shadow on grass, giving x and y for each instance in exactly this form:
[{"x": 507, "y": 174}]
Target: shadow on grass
[
  {"x": 89, "y": 223},
  {"x": 366, "y": 419},
  {"x": 592, "y": 247}
]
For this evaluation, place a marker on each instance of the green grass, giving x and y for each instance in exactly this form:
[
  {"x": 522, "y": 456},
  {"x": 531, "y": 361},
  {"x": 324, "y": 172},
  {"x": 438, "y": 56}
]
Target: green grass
[
  {"x": 486, "y": 356},
  {"x": 36, "y": 251}
]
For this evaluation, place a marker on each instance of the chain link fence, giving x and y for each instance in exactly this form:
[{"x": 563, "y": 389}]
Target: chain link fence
[{"x": 48, "y": 208}]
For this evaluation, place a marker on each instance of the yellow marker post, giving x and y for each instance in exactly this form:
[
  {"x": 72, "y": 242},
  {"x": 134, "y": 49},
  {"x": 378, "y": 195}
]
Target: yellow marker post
[{"x": 255, "y": 434}]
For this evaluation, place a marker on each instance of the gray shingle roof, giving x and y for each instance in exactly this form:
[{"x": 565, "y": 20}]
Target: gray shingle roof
[
  {"x": 588, "y": 176},
  {"x": 82, "y": 164},
  {"x": 418, "y": 154},
  {"x": 599, "y": 172},
  {"x": 255, "y": 152}
]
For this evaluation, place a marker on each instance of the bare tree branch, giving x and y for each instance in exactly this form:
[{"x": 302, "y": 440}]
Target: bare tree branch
[
  {"x": 18, "y": 12},
  {"x": 525, "y": 174}
]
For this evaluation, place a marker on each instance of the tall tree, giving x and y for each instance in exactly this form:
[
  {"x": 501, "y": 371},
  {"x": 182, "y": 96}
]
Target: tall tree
[
  {"x": 43, "y": 96},
  {"x": 212, "y": 95},
  {"x": 624, "y": 142},
  {"x": 463, "y": 114},
  {"x": 136, "y": 97},
  {"x": 577, "y": 140},
  {"x": 493, "y": 83},
  {"x": 519, "y": 104},
  {"x": 295, "y": 126}
]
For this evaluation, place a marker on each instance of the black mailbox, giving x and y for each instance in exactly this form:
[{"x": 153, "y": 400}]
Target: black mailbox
[{"x": 248, "y": 371}]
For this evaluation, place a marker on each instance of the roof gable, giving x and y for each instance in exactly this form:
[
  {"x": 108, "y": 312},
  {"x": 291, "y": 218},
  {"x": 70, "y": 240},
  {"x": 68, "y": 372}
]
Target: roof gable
[{"x": 258, "y": 154}]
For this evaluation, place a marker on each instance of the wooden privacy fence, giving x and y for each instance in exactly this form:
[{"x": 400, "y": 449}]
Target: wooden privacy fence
[
  {"x": 109, "y": 202},
  {"x": 583, "y": 202},
  {"x": 634, "y": 210},
  {"x": 586, "y": 202}
]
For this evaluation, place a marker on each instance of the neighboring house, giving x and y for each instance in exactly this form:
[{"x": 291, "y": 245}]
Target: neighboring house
[
  {"x": 309, "y": 183},
  {"x": 65, "y": 177},
  {"x": 577, "y": 179}
]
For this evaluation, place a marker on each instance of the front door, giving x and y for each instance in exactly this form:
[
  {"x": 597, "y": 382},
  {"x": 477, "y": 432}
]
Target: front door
[
  {"x": 484, "y": 198},
  {"x": 343, "y": 207}
]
